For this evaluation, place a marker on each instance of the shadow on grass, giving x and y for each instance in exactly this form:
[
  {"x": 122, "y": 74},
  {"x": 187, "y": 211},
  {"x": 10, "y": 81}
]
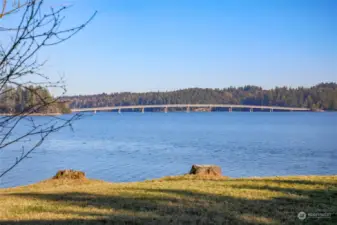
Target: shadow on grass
[
  {"x": 294, "y": 182},
  {"x": 185, "y": 206}
]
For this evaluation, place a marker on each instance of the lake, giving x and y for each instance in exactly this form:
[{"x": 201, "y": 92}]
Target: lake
[{"x": 135, "y": 146}]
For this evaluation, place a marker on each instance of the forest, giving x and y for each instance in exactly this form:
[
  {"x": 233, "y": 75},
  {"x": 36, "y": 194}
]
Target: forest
[
  {"x": 30, "y": 100},
  {"x": 321, "y": 96}
]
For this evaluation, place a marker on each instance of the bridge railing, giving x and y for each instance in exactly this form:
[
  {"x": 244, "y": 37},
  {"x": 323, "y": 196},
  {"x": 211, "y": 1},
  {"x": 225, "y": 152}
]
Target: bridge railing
[{"x": 230, "y": 106}]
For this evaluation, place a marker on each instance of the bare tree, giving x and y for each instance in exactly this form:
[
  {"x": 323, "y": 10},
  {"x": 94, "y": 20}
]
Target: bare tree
[{"x": 20, "y": 69}]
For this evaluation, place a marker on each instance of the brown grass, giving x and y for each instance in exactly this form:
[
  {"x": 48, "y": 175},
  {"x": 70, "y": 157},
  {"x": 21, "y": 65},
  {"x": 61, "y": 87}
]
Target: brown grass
[{"x": 172, "y": 200}]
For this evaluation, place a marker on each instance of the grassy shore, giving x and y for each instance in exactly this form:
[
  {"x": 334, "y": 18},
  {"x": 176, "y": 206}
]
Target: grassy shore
[{"x": 172, "y": 200}]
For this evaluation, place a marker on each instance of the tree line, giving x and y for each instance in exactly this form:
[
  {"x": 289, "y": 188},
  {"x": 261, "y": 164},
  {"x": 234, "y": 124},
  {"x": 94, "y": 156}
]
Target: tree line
[
  {"x": 35, "y": 99},
  {"x": 321, "y": 96}
]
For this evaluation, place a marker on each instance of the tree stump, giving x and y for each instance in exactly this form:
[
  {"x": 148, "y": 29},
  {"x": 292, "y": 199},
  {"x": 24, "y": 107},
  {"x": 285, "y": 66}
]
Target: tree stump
[
  {"x": 69, "y": 174},
  {"x": 209, "y": 170}
]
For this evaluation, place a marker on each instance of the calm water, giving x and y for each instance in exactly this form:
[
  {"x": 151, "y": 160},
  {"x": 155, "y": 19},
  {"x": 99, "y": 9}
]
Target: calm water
[{"x": 135, "y": 146}]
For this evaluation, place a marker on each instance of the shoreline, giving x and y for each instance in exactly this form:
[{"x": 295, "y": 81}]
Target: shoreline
[{"x": 185, "y": 176}]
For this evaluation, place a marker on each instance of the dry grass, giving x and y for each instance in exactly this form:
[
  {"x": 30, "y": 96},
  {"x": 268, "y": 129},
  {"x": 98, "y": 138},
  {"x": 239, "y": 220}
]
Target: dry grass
[{"x": 172, "y": 200}]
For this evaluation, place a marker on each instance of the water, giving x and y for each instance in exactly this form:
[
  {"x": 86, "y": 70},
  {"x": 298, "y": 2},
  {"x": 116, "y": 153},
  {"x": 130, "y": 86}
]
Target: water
[{"x": 135, "y": 146}]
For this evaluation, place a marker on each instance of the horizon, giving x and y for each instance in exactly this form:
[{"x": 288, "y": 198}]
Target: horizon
[
  {"x": 169, "y": 45},
  {"x": 241, "y": 86}
]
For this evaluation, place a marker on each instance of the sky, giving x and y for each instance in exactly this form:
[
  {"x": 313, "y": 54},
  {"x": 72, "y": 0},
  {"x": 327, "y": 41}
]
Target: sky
[{"x": 151, "y": 45}]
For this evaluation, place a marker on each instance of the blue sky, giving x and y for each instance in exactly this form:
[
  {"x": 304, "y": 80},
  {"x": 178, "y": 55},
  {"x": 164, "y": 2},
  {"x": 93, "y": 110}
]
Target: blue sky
[{"x": 150, "y": 45}]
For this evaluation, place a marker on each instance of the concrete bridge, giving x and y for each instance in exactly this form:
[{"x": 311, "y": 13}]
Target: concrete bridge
[{"x": 188, "y": 107}]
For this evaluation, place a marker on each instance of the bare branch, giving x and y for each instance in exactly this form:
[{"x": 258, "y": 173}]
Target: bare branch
[{"x": 15, "y": 8}]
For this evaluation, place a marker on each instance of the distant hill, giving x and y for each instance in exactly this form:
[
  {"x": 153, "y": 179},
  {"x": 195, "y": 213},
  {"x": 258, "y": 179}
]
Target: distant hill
[{"x": 321, "y": 96}]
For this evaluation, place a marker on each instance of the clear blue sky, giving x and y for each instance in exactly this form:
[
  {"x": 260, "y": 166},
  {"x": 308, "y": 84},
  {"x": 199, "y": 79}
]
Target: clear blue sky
[{"x": 150, "y": 45}]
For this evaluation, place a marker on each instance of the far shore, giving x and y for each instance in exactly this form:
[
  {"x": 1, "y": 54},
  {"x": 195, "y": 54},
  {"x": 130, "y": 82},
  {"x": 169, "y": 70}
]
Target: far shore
[{"x": 32, "y": 114}]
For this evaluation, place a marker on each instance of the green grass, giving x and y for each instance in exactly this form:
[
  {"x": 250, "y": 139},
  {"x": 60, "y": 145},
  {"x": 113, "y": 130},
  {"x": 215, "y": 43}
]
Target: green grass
[{"x": 172, "y": 200}]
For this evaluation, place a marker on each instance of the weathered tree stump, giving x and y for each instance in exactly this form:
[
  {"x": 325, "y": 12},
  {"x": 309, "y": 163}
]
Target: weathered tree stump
[
  {"x": 210, "y": 170},
  {"x": 69, "y": 174}
]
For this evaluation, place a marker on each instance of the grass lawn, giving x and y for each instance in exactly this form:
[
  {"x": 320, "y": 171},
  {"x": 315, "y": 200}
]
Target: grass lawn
[{"x": 172, "y": 200}]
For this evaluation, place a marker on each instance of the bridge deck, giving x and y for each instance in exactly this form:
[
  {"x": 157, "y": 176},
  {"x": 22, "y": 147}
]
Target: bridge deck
[{"x": 110, "y": 108}]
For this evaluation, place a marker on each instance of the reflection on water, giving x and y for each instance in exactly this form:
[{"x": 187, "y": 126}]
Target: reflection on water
[{"x": 135, "y": 146}]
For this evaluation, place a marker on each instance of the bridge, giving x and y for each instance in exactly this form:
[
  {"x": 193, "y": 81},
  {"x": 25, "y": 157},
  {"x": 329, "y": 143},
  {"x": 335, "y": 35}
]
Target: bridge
[{"x": 188, "y": 107}]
